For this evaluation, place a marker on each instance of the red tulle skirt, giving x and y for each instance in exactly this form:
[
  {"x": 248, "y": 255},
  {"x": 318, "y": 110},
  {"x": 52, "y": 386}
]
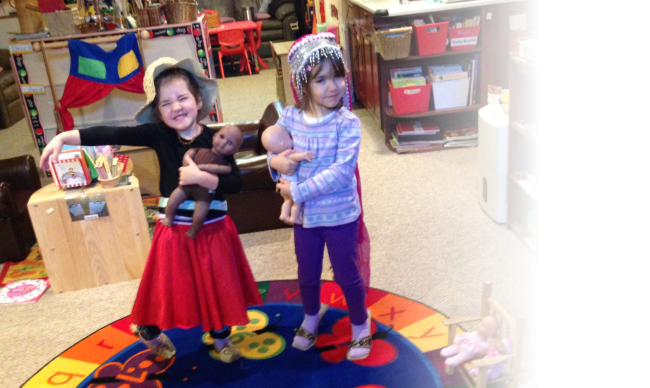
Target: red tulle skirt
[{"x": 190, "y": 282}]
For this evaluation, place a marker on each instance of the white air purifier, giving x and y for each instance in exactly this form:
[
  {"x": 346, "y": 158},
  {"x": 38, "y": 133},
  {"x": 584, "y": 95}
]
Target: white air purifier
[{"x": 493, "y": 161}]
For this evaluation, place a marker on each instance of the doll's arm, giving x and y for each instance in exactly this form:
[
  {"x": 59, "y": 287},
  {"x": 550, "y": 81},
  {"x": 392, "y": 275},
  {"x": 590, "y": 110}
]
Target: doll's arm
[
  {"x": 306, "y": 156},
  {"x": 215, "y": 168},
  {"x": 189, "y": 155}
]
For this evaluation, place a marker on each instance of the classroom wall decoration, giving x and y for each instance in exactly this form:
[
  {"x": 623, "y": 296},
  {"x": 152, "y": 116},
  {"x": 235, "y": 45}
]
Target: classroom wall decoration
[{"x": 94, "y": 72}]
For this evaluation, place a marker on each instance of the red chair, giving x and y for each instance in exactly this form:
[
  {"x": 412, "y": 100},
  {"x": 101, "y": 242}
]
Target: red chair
[
  {"x": 232, "y": 43},
  {"x": 258, "y": 42}
]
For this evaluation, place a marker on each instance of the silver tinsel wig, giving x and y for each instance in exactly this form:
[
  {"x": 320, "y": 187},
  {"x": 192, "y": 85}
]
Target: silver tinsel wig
[{"x": 307, "y": 52}]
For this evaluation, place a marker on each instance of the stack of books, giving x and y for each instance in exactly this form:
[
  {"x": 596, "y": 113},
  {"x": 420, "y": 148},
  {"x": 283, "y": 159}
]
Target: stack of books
[
  {"x": 468, "y": 22},
  {"x": 404, "y": 77},
  {"x": 414, "y": 136},
  {"x": 464, "y": 137}
]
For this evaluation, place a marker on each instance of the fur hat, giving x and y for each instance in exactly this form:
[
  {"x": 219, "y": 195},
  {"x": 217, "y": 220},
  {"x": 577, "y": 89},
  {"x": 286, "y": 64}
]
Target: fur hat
[
  {"x": 308, "y": 51},
  {"x": 207, "y": 86}
]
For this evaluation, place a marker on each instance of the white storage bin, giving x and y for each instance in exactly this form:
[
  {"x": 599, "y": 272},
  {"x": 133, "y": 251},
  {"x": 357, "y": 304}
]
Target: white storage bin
[{"x": 450, "y": 94}]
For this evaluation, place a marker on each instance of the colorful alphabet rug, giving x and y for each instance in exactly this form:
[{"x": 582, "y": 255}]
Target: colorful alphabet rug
[{"x": 407, "y": 336}]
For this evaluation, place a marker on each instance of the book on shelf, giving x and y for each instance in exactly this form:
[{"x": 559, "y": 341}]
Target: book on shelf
[
  {"x": 405, "y": 82},
  {"x": 468, "y": 133},
  {"x": 460, "y": 144},
  {"x": 406, "y": 72},
  {"x": 416, "y": 131},
  {"x": 414, "y": 148},
  {"x": 475, "y": 78},
  {"x": 447, "y": 77}
]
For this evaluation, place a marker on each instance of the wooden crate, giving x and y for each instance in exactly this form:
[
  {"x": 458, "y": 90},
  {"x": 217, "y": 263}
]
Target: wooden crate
[{"x": 93, "y": 252}]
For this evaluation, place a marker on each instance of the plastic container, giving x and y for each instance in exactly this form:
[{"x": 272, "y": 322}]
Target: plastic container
[
  {"x": 410, "y": 99},
  {"x": 464, "y": 38},
  {"x": 450, "y": 94},
  {"x": 432, "y": 38}
]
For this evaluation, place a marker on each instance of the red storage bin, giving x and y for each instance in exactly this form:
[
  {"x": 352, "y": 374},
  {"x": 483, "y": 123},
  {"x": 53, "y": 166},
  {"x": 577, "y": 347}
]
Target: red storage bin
[
  {"x": 432, "y": 38},
  {"x": 410, "y": 99},
  {"x": 463, "y": 38}
]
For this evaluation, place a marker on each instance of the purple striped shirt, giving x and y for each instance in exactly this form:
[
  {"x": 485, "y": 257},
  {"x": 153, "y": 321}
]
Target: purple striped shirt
[{"x": 327, "y": 185}]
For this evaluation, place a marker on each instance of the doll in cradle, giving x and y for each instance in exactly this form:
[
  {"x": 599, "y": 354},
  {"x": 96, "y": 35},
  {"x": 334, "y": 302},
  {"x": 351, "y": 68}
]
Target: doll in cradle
[{"x": 468, "y": 345}]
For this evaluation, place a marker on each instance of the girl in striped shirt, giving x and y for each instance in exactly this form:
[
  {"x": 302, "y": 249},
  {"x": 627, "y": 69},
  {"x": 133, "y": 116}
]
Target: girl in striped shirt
[{"x": 326, "y": 186}]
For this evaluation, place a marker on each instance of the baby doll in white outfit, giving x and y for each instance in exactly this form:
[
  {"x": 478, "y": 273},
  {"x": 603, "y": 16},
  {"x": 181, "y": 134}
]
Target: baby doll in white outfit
[
  {"x": 468, "y": 345},
  {"x": 277, "y": 139}
]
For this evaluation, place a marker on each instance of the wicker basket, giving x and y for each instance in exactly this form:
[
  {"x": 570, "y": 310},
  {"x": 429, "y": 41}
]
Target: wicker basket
[
  {"x": 149, "y": 17},
  {"x": 395, "y": 43},
  {"x": 177, "y": 12},
  {"x": 212, "y": 19},
  {"x": 61, "y": 23},
  {"x": 88, "y": 27}
]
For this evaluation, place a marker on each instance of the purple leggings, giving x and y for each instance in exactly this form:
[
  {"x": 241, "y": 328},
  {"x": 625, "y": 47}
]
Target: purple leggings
[{"x": 341, "y": 243}]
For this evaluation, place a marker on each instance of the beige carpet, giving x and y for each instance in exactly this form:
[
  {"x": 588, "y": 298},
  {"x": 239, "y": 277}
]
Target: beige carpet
[{"x": 430, "y": 242}]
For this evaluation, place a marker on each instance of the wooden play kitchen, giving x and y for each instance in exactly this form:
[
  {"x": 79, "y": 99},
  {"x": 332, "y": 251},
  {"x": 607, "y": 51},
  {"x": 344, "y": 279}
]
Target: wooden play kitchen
[{"x": 98, "y": 249}]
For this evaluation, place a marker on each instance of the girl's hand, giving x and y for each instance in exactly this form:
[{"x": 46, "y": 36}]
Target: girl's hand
[
  {"x": 284, "y": 187},
  {"x": 53, "y": 148},
  {"x": 193, "y": 175},
  {"x": 55, "y": 145},
  {"x": 190, "y": 174},
  {"x": 282, "y": 164}
]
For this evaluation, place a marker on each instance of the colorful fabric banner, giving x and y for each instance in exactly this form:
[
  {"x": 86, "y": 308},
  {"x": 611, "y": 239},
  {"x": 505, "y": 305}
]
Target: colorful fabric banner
[{"x": 94, "y": 72}]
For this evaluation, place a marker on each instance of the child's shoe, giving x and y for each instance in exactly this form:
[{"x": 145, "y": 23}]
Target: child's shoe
[
  {"x": 361, "y": 346},
  {"x": 160, "y": 345},
  {"x": 305, "y": 339},
  {"x": 229, "y": 353}
]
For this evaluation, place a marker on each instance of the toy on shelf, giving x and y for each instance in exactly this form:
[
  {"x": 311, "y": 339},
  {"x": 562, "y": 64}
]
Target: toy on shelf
[
  {"x": 501, "y": 348},
  {"x": 468, "y": 345}
]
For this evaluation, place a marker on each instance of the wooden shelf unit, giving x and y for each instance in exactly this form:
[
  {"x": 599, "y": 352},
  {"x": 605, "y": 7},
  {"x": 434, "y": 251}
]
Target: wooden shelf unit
[
  {"x": 371, "y": 73},
  {"x": 522, "y": 198}
]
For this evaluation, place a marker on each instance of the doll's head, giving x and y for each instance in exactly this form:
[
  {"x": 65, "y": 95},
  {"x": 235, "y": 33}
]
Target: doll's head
[
  {"x": 227, "y": 140},
  {"x": 487, "y": 327},
  {"x": 276, "y": 139},
  {"x": 318, "y": 73}
]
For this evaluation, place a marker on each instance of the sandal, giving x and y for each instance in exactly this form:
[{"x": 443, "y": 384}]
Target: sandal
[
  {"x": 229, "y": 353},
  {"x": 160, "y": 345},
  {"x": 311, "y": 337},
  {"x": 365, "y": 342}
]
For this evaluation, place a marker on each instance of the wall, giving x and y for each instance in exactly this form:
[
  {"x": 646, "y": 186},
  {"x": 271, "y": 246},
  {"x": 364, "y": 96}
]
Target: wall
[{"x": 7, "y": 25}]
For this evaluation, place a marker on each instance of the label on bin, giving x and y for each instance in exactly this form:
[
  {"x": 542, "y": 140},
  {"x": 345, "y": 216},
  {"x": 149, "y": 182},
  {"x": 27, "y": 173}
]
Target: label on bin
[
  {"x": 467, "y": 41},
  {"x": 412, "y": 91}
]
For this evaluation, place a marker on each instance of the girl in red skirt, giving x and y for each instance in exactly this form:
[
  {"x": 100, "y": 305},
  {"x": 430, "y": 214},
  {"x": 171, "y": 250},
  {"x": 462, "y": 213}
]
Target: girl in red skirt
[{"x": 186, "y": 282}]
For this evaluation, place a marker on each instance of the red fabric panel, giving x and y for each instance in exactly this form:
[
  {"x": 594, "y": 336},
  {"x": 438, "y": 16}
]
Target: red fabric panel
[{"x": 79, "y": 92}]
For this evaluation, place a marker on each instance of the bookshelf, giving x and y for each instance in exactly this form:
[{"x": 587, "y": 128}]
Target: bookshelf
[
  {"x": 522, "y": 196},
  {"x": 371, "y": 72}
]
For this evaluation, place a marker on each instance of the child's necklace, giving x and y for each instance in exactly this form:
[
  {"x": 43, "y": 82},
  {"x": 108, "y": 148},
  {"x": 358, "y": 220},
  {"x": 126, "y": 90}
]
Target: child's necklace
[{"x": 186, "y": 142}]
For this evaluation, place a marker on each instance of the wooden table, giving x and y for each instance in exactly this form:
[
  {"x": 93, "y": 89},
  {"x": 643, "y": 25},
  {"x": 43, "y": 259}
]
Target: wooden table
[
  {"x": 95, "y": 251},
  {"x": 248, "y": 26},
  {"x": 283, "y": 78}
]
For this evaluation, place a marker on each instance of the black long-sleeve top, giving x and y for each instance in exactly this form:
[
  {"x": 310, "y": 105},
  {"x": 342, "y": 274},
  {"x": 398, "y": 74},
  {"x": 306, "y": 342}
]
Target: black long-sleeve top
[{"x": 170, "y": 151}]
